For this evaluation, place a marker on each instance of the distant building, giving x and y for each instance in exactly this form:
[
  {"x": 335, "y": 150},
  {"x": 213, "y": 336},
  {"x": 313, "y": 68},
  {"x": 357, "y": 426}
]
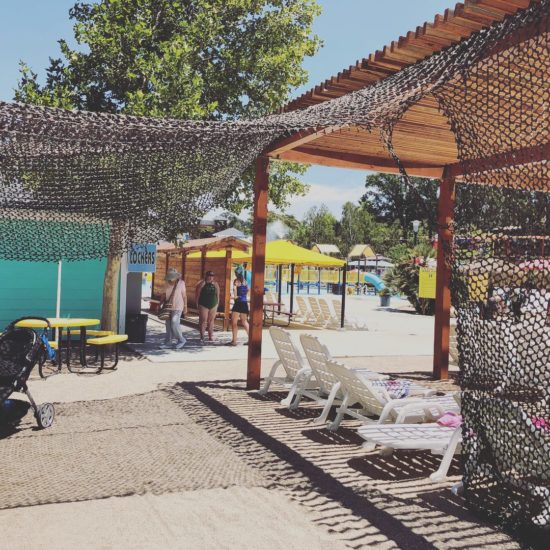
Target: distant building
[
  {"x": 328, "y": 249},
  {"x": 377, "y": 264},
  {"x": 361, "y": 251},
  {"x": 230, "y": 232}
]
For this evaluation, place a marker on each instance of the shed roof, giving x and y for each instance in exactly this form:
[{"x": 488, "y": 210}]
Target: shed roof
[
  {"x": 326, "y": 248},
  {"x": 361, "y": 251},
  {"x": 210, "y": 243},
  {"x": 230, "y": 232}
]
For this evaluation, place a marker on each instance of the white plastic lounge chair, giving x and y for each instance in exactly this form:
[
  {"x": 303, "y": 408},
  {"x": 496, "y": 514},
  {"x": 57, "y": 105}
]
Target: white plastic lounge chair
[
  {"x": 353, "y": 324},
  {"x": 421, "y": 406},
  {"x": 329, "y": 391},
  {"x": 433, "y": 437},
  {"x": 296, "y": 372},
  {"x": 303, "y": 315},
  {"x": 329, "y": 318},
  {"x": 316, "y": 311}
]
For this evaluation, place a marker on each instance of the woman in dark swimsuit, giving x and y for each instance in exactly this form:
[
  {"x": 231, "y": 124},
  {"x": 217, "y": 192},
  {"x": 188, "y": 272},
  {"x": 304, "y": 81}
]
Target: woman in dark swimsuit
[
  {"x": 240, "y": 307},
  {"x": 208, "y": 293}
]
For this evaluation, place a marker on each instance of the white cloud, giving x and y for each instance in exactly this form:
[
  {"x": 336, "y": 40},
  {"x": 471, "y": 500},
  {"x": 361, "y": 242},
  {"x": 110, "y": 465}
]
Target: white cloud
[{"x": 333, "y": 196}]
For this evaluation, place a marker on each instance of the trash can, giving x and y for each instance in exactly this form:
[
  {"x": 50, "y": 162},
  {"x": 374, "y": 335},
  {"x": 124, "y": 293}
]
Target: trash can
[{"x": 136, "y": 327}]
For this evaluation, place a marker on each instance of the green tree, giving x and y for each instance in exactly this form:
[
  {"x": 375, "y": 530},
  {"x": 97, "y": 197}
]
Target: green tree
[
  {"x": 357, "y": 225},
  {"x": 318, "y": 227},
  {"x": 403, "y": 277},
  {"x": 392, "y": 201},
  {"x": 205, "y": 59}
]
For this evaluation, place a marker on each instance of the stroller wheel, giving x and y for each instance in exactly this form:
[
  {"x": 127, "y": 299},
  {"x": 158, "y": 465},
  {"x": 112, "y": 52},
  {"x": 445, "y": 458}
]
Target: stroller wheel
[{"x": 45, "y": 415}]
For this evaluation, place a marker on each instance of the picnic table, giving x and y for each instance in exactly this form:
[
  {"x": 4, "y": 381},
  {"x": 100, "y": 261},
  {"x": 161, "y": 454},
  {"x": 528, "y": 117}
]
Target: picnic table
[
  {"x": 274, "y": 308},
  {"x": 65, "y": 323}
]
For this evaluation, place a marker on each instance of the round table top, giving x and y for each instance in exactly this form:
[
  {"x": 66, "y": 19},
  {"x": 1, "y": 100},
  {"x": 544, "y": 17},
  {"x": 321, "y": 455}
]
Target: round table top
[{"x": 59, "y": 322}]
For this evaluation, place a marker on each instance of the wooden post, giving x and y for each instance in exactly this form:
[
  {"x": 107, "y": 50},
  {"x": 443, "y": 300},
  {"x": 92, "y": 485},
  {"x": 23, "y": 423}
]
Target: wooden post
[
  {"x": 109, "y": 312},
  {"x": 227, "y": 295},
  {"x": 291, "y": 288},
  {"x": 445, "y": 210},
  {"x": 261, "y": 185},
  {"x": 183, "y": 262},
  {"x": 344, "y": 279},
  {"x": 203, "y": 261}
]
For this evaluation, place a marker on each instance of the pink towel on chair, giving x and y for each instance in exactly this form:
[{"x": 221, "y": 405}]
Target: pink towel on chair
[
  {"x": 541, "y": 423},
  {"x": 450, "y": 420}
]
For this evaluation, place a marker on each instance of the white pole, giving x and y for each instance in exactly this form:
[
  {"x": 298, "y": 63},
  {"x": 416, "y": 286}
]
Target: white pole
[
  {"x": 58, "y": 296},
  {"x": 58, "y": 299},
  {"x": 122, "y": 295}
]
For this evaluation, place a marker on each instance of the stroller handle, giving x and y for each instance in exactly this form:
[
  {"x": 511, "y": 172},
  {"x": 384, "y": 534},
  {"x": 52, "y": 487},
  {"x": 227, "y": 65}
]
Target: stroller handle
[{"x": 33, "y": 317}]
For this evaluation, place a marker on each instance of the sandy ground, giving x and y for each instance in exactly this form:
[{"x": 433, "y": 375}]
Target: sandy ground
[{"x": 174, "y": 453}]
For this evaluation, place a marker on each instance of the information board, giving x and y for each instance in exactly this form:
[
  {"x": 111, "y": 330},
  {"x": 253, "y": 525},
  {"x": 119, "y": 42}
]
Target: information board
[
  {"x": 426, "y": 283},
  {"x": 142, "y": 258}
]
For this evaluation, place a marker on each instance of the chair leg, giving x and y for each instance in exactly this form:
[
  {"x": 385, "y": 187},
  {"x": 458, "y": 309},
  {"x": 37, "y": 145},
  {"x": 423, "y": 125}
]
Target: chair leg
[
  {"x": 330, "y": 400},
  {"x": 269, "y": 379},
  {"x": 287, "y": 401},
  {"x": 341, "y": 411},
  {"x": 441, "y": 472}
]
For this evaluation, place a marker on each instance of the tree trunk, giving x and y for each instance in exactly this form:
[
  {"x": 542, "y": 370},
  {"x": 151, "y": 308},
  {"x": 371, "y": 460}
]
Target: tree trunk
[{"x": 110, "y": 294}]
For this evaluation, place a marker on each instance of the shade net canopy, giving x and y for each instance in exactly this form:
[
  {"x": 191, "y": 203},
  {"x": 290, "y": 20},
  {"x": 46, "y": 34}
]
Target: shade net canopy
[{"x": 78, "y": 185}]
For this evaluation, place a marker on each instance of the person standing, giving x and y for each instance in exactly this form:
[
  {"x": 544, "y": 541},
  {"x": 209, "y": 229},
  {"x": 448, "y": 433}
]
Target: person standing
[
  {"x": 208, "y": 293},
  {"x": 176, "y": 293},
  {"x": 240, "y": 307}
]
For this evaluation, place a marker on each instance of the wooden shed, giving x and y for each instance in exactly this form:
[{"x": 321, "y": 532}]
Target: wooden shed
[{"x": 193, "y": 259}]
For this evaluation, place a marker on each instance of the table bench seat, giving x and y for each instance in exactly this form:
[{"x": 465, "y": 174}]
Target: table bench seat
[{"x": 101, "y": 342}]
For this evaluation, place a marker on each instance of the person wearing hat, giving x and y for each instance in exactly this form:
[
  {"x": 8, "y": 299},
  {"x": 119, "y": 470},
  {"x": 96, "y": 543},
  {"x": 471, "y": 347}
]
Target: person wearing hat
[
  {"x": 176, "y": 293},
  {"x": 208, "y": 293}
]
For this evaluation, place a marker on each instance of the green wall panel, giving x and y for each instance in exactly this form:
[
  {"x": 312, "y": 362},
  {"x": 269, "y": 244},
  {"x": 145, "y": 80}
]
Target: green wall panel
[{"x": 29, "y": 288}]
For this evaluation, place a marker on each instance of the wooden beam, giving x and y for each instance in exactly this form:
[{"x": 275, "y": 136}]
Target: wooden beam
[
  {"x": 300, "y": 138},
  {"x": 518, "y": 157},
  {"x": 261, "y": 185},
  {"x": 357, "y": 162},
  {"x": 227, "y": 294},
  {"x": 445, "y": 213}
]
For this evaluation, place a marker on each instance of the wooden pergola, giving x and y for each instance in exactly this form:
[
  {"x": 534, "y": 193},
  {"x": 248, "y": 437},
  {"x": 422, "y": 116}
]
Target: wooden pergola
[{"x": 422, "y": 138}]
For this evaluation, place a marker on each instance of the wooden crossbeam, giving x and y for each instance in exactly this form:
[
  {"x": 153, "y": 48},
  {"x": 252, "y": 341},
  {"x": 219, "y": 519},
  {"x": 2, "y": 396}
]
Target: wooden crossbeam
[
  {"x": 356, "y": 161},
  {"x": 508, "y": 159}
]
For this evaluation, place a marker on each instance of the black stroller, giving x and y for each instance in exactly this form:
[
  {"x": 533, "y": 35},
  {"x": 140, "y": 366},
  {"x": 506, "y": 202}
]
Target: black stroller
[{"x": 20, "y": 351}]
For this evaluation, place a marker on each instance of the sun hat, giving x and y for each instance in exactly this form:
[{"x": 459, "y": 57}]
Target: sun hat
[{"x": 172, "y": 274}]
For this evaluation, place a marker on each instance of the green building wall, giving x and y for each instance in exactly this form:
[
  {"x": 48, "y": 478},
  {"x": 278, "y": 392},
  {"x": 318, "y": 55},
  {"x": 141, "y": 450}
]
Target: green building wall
[{"x": 30, "y": 288}]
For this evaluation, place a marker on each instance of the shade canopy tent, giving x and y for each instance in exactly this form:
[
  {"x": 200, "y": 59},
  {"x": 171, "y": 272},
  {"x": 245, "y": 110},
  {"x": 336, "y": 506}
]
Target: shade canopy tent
[{"x": 287, "y": 253}]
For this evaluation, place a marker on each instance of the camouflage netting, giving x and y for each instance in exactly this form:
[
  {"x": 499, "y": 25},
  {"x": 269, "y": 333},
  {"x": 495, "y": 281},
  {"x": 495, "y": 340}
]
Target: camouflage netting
[{"x": 82, "y": 185}]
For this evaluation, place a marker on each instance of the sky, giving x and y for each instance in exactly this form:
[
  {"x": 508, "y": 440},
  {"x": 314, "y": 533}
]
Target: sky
[{"x": 350, "y": 30}]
